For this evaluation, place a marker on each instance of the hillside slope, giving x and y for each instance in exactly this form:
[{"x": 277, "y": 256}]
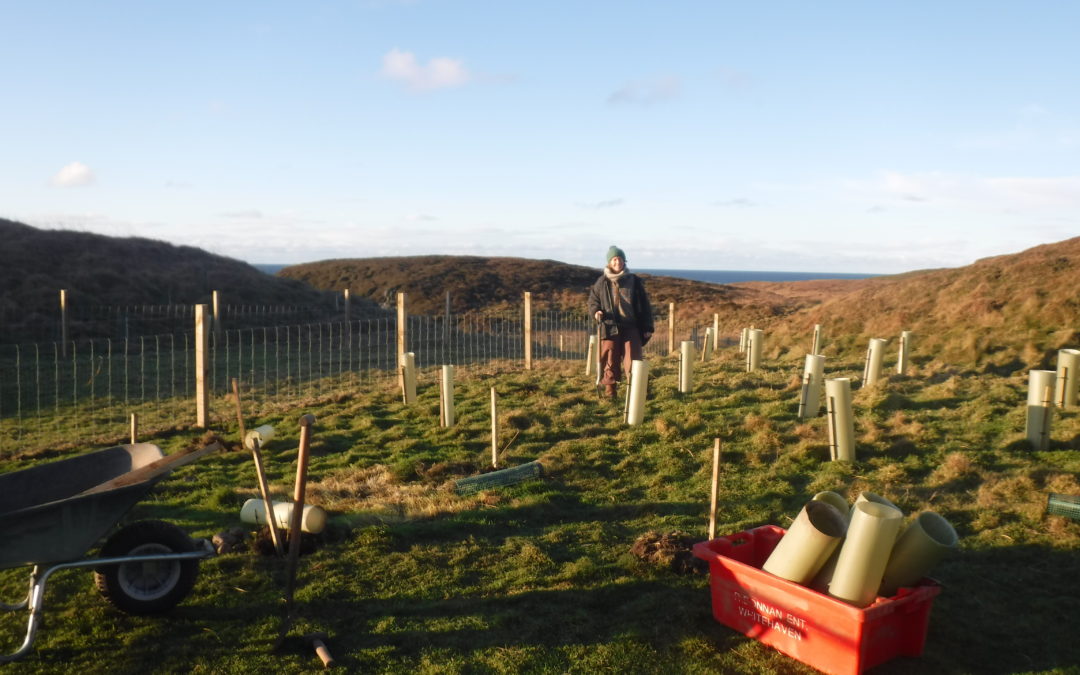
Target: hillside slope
[
  {"x": 100, "y": 270},
  {"x": 1004, "y": 313},
  {"x": 493, "y": 284}
]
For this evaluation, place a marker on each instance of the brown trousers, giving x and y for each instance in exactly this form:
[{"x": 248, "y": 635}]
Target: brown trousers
[{"x": 616, "y": 355}]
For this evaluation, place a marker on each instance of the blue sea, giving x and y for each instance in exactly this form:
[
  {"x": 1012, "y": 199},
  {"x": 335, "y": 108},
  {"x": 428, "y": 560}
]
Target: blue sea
[{"x": 735, "y": 276}]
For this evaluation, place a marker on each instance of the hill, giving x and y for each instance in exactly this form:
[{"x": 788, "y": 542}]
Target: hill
[
  {"x": 100, "y": 270},
  {"x": 1002, "y": 313},
  {"x": 492, "y": 284}
]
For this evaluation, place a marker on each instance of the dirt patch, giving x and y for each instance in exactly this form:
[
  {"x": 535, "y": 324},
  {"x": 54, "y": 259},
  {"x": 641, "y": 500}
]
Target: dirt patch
[{"x": 671, "y": 550}]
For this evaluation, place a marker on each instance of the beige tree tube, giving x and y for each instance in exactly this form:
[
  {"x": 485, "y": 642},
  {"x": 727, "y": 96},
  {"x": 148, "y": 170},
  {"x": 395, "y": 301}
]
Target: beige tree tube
[
  {"x": 707, "y": 345},
  {"x": 1040, "y": 407},
  {"x": 754, "y": 344},
  {"x": 312, "y": 519},
  {"x": 744, "y": 337},
  {"x": 875, "y": 355},
  {"x": 837, "y": 500},
  {"x": 927, "y": 540},
  {"x": 1068, "y": 363},
  {"x": 905, "y": 352},
  {"x": 821, "y": 581},
  {"x": 686, "y": 366},
  {"x": 448, "y": 396},
  {"x": 263, "y": 435},
  {"x": 808, "y": 543},
  {"x": 841, "y": 420},
  {"x": 812, "y": 386},
  {"x": 639, "y": 386},
  {"x": 408, "y": 365},
  {"x": 592, "y": 358},
  {"x": 865, "y": 553}
]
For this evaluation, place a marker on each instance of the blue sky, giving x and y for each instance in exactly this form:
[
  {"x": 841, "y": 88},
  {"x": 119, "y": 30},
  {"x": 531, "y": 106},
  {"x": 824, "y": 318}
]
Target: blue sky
[{"x": 834, "y": 136}]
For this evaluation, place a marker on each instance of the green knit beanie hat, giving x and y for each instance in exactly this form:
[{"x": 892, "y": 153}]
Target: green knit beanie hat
[{"x": 614, "y": 251}]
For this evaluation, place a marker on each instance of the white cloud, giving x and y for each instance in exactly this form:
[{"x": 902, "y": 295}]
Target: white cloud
[
  {"x": 605, "y": 204},
  {"x": 438, "y": 73},
  {"x": 246, "y": 214},
  {"x": 647, "y": 92},
  {"x": 972, "y": 192},
  {"x": 73, "y": 175},
  {"x": 740, "y": 202}
]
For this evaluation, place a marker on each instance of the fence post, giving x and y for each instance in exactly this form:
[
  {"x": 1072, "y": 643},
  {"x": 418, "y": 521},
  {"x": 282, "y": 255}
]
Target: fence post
[
  {"x": 217, "y": 312},
  {"x": 348, "y": 313},
  {"x": 63, "y": 322},
  {"x": 202, "y": 368},
  {"x": 494, "y": 430},
  {"x": 528, "y": 330},
  {"x": 134, "y": 428},
  {"x": 716, "y": 332},
  {"x": 401, "y": 341},
  {"x": 671, "y": 328}
]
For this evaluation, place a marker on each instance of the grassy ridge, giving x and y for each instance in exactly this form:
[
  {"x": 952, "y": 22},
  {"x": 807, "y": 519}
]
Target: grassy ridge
[{"x": 538, "y": 577}]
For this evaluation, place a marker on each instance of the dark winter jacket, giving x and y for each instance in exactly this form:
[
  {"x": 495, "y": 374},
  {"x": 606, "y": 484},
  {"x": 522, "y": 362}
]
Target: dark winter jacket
[{"x": 632, "y": 289}]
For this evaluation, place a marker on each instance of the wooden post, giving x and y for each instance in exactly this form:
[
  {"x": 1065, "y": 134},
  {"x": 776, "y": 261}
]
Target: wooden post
[
  {"x": 239, "y": 410},
  {"x": 528, "y": 330},
  {"x": 494, "y": 430},
  {"x": 817, "y": 339},
  {"x": 202, "y": 368},
  {"x": 217, "y": 312},
  {"x": 401, "y": 341},
  {"x": 64, "y": 335},
  {"x": 716, "y": 332},
  {"x": 348, "y": 308},
  {"x": 715, "y": 488},
  {"x": 671, "y": 328},
  {"x": 446, "y": 323},
  {"x": 134, "y": 428}
]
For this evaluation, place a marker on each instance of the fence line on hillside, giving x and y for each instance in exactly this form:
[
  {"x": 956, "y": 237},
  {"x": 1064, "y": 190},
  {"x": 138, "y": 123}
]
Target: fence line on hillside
[{"x": 91, "y": 384}]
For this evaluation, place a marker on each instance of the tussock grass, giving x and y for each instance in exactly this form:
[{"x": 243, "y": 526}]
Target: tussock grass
[{"x": 540, "y": 576}]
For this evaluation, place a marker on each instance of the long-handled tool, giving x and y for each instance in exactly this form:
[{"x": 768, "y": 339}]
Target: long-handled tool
[
  {"x": 306, "y": 422},
  {"x": 256, "y": 456}
]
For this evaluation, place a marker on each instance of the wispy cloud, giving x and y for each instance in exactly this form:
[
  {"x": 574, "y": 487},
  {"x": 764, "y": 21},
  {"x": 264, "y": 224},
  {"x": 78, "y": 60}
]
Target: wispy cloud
[
  {"x": 982, "y": 192},
  {"x": 737, "y": 202},
  {"x": 73, "y": 175},
  {"x": 647, "y": 92},
  {"x": 438, "y": 73},
  {"x": 603, "y": 204},
  {"x": 246, "y": 214}
]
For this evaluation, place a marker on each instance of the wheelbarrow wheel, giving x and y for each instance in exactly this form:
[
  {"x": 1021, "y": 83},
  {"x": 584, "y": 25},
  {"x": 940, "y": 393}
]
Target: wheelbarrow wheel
[{"x": 147, "y": 587}]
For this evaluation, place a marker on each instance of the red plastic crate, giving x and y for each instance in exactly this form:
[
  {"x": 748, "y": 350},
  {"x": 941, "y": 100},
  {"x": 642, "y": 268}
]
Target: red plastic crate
[{"x": 822, "y": 632}]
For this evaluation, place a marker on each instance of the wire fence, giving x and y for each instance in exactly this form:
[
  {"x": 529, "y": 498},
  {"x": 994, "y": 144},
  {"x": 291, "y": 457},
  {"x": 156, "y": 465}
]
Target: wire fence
[{"x": 89, "y": 386}]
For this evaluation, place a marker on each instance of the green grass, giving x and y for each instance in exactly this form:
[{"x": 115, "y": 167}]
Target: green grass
[{"x": 538, "y": 577}]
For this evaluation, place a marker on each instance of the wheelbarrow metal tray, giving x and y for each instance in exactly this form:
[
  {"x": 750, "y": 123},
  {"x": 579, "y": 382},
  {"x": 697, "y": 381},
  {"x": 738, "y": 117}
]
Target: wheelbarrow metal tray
[{"x": 45, "y": 519}]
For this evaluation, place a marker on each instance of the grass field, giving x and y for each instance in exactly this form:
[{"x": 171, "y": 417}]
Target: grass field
[{"x": 539, "y": 577}]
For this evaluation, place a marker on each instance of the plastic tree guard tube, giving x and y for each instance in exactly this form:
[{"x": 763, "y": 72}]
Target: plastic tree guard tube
[
  {"x": 927, "y": 540},
  {"x": 809, "y": 542},
  {"x": 864, "y": 553}
]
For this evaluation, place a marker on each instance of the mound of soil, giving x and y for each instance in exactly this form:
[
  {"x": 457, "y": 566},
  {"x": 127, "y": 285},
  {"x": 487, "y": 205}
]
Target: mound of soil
[{"x": 671, "y": 550}]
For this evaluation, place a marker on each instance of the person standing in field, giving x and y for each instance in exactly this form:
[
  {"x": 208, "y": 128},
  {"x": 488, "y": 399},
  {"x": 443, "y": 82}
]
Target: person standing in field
[{"x": 618, "y": 302}]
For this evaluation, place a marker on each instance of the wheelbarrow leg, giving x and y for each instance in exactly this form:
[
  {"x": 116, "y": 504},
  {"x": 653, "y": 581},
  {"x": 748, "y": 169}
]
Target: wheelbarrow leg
[{"x": 33, "y": 603}]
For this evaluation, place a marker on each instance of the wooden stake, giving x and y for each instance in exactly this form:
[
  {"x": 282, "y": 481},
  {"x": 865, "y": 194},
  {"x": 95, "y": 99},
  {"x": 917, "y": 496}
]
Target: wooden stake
[
  {"x": 671, "y": 328},
  {"x": 494, "y": 430},
  {"x": 239, "y": 413},
  {"x": 134, "y": 428},
  {"x": 715, "y": 488},
  {"x": 528, "y": 330},
  {"x": 202, "y": 368}
]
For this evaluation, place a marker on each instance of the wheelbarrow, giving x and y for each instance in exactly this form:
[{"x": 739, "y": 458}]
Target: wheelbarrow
[{"x": 52, "y": 514}]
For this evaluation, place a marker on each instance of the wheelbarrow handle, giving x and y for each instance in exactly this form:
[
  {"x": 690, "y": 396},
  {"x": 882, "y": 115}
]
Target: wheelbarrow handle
[{"x": 153, "y": 469}]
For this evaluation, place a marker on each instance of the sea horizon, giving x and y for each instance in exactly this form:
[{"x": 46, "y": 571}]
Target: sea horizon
[{"x": 707, "y": 276}]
